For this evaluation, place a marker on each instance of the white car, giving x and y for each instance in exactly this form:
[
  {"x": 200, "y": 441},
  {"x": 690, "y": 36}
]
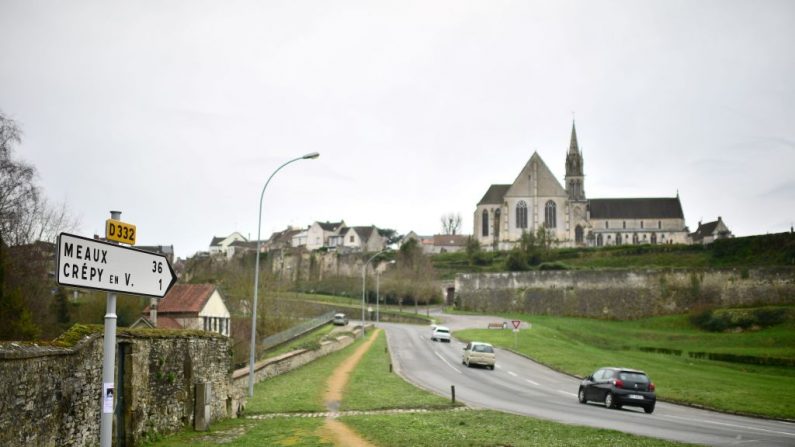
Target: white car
[
  {"x": 478, "y": 353},
  {"x": 440, "y": 333}
]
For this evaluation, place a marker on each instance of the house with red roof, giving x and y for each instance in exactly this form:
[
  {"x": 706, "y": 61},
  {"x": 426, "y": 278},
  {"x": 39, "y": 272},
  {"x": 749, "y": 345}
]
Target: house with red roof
[{"x": 188, "y": 306}]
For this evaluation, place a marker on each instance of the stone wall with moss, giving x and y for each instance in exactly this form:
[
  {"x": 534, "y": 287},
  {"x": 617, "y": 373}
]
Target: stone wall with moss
[
  {"x": 50, "y": 395},
  {"x": 622, "y": 294}
]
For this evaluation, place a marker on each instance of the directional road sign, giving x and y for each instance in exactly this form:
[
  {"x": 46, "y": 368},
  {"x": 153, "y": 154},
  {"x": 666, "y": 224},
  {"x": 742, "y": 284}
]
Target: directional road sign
[{"x": 92, "y": 264}]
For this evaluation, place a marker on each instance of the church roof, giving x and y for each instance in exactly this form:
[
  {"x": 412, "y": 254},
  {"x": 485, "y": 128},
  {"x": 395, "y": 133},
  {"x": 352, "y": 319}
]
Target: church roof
[
  {"x": 648, "y": 208},
  {"x": 494, "y": 195}
]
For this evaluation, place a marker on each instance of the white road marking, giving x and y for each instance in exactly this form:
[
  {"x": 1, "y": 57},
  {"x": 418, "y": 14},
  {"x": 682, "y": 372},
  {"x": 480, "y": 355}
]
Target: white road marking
[
  {"x": 567, "y": 393},
  {"x": 530, "y": 381},
  {"x": 512, "y": 373},
  {"x": 726, "y": 424},
  {"x": 447, "y": 363}
]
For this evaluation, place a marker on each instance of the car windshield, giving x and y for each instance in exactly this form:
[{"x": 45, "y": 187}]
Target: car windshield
[
  {"x": 482, "y": 348},
  {"x": 446, "y": 331},
  {"x": 633, "y": 377}
]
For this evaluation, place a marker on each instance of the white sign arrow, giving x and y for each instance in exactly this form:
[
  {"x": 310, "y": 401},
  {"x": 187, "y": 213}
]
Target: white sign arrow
[{"x": 92, "y": 264}]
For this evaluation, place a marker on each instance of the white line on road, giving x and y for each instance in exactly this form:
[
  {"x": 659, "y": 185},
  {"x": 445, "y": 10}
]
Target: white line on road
[
  {"x": 568, "y": 393},
  {"x": 512, "y": 373},
  {"x": 447, "y": 363},
  {"x": 747, "y": 427},
  {"x": 530, "y": 381}
]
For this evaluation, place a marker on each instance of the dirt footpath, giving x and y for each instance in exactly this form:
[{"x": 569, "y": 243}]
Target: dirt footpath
[{"x": 335, "y": 430}]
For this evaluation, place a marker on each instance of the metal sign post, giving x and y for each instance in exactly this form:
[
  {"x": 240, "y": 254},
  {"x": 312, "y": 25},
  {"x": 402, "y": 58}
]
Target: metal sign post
[
  {"x": 94, "y": 264},
  {"x": 108, "y": 362},
  {"x": 516, "y": 324}
]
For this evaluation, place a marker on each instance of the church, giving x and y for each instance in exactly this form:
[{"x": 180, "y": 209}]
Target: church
[{"x": 536, "y": 199}]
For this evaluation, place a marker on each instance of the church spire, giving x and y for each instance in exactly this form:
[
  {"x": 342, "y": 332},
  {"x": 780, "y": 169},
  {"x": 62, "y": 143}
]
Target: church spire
[
  {"x": 575, "y": 178},
  {"x": 573, "y": 147}
]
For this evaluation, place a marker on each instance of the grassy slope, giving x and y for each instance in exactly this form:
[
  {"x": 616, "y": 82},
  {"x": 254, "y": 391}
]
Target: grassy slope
[
  {"x": 373, "y": 387},
  {"x": 486, "y": 428},
  {"x": 743, "y": 252},
  {"x": 580, "y": 346}
]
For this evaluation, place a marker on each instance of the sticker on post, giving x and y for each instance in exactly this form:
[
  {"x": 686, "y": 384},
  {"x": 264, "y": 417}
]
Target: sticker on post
[{"x": 107, "y": 398}]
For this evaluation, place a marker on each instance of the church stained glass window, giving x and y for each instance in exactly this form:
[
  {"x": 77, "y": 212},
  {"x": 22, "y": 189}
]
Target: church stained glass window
[
  {"x": 521, "y": 214},
  {"x": 485, "y": 223},
  {"x": 550, "y": 215}
]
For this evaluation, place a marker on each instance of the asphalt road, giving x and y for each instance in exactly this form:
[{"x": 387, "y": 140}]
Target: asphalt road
[{"x": 521, "y": 386}]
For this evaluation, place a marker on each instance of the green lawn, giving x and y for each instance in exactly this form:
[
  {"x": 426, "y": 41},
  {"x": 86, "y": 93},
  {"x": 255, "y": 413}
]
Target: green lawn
[
  {"x": 373, "y": 387},
  {"x": 299, "y": 390},
  {"x": 299, "y": 432},
  {"x": 486, "y": 428},
  {"x": 580, "y": 346}
]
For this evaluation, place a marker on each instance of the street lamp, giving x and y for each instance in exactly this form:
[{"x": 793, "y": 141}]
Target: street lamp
[
  {"x": 377, "y": 295},
  {"x": 364, "y": 290},
  {"x": 256, "y": 274}
]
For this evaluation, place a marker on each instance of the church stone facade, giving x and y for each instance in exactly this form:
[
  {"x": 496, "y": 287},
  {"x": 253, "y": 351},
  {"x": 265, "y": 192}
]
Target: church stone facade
[{"x": 536, "y": 199}]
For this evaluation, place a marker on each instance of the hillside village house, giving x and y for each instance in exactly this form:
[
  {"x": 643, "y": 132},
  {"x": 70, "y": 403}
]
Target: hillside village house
[
  {"x": 188, "y": 306},
  {"x": 707, "y": 233},
  {"x": 365, "y": 239},
  {"x": 537, "y": 200},
  {"x": 221, "y": 245},
  {"x": 324, "y": 234}
]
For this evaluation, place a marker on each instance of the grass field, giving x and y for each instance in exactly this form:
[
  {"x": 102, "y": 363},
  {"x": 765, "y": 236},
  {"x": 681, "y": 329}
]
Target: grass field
[
  {"x": 486, "y": 428},
  {"x": 372, "y": 387},
  {"x": 580, "y": 346}
]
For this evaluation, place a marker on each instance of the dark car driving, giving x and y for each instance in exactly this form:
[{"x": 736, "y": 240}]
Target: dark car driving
[{"x": 618, "y": 387}]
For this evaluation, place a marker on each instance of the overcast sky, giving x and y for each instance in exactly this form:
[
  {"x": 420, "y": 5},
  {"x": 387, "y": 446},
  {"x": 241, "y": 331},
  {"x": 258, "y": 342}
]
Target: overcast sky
[{"x": 177, "y": 112}]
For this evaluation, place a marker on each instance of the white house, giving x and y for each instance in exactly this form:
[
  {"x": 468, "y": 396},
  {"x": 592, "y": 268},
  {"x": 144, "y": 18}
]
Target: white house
[
  {"x": 364, "y": 239},
  {"x": 189, "y": 306},
  {"x": 220, "y": 245},
  {"x": 324, "y": 234},
  {"x": 707, "y": 233}
]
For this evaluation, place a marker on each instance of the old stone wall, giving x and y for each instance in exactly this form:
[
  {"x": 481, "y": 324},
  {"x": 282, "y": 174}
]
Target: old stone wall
[
  {"x": 51, "y": 396},
  {"x": 287, "y": 362},
  {"x": 622, "y": 294}
]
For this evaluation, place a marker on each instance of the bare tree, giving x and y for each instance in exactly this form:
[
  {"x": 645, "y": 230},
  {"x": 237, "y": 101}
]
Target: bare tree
[
  {"x": 451, "y": 223},
  {"x": 25, "y": 216}
]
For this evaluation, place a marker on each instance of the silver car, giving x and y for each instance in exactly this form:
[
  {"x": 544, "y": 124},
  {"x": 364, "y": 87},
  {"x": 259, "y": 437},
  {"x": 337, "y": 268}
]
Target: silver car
[{"x": 479, "y": 353}]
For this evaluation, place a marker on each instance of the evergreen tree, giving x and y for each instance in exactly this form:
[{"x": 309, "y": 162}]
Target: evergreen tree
[{"x": 17, "y": 322}]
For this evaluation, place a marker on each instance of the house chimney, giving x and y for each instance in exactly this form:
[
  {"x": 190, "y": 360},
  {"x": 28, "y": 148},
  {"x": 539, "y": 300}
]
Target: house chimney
[{"x": 153, "y": 311}]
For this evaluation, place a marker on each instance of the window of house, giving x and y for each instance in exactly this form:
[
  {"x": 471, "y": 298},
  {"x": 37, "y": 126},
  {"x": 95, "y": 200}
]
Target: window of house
[
  {"x": 485, "y": 223},
  {"x": 659, "y": 224},
  {"x": 578, "y": 234},
  {"x": 624, "y": 224},
  {"x": 607, "y": 224},
  {"x": 550, "y": 215},
  {"x": 351, "y": 239},
  {"x": 521, "y": 214},
  {"x": 641, "y": 224}
]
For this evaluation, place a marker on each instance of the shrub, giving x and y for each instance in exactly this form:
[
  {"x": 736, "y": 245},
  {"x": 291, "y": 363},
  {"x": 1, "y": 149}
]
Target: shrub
[{"x": 553, "y": 266}]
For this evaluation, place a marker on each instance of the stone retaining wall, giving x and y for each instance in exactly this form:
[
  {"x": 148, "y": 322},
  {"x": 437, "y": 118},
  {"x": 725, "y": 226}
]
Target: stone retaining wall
[
  {"x": 281, "y": 364},
  {"x": 51, "y": 396},
  {"x": 622, "y": 294}
]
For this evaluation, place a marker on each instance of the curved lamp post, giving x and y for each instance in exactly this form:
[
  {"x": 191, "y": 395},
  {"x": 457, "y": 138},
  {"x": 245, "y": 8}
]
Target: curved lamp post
[
  {"x": 377, "y": 295},
  {"x": 364, "y": 290},
  {"x": 256, "y": 275}
]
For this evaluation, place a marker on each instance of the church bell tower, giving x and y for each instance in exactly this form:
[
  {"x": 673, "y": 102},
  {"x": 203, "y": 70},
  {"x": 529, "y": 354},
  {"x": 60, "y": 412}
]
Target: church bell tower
[{"x": 575, "y": 179}]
